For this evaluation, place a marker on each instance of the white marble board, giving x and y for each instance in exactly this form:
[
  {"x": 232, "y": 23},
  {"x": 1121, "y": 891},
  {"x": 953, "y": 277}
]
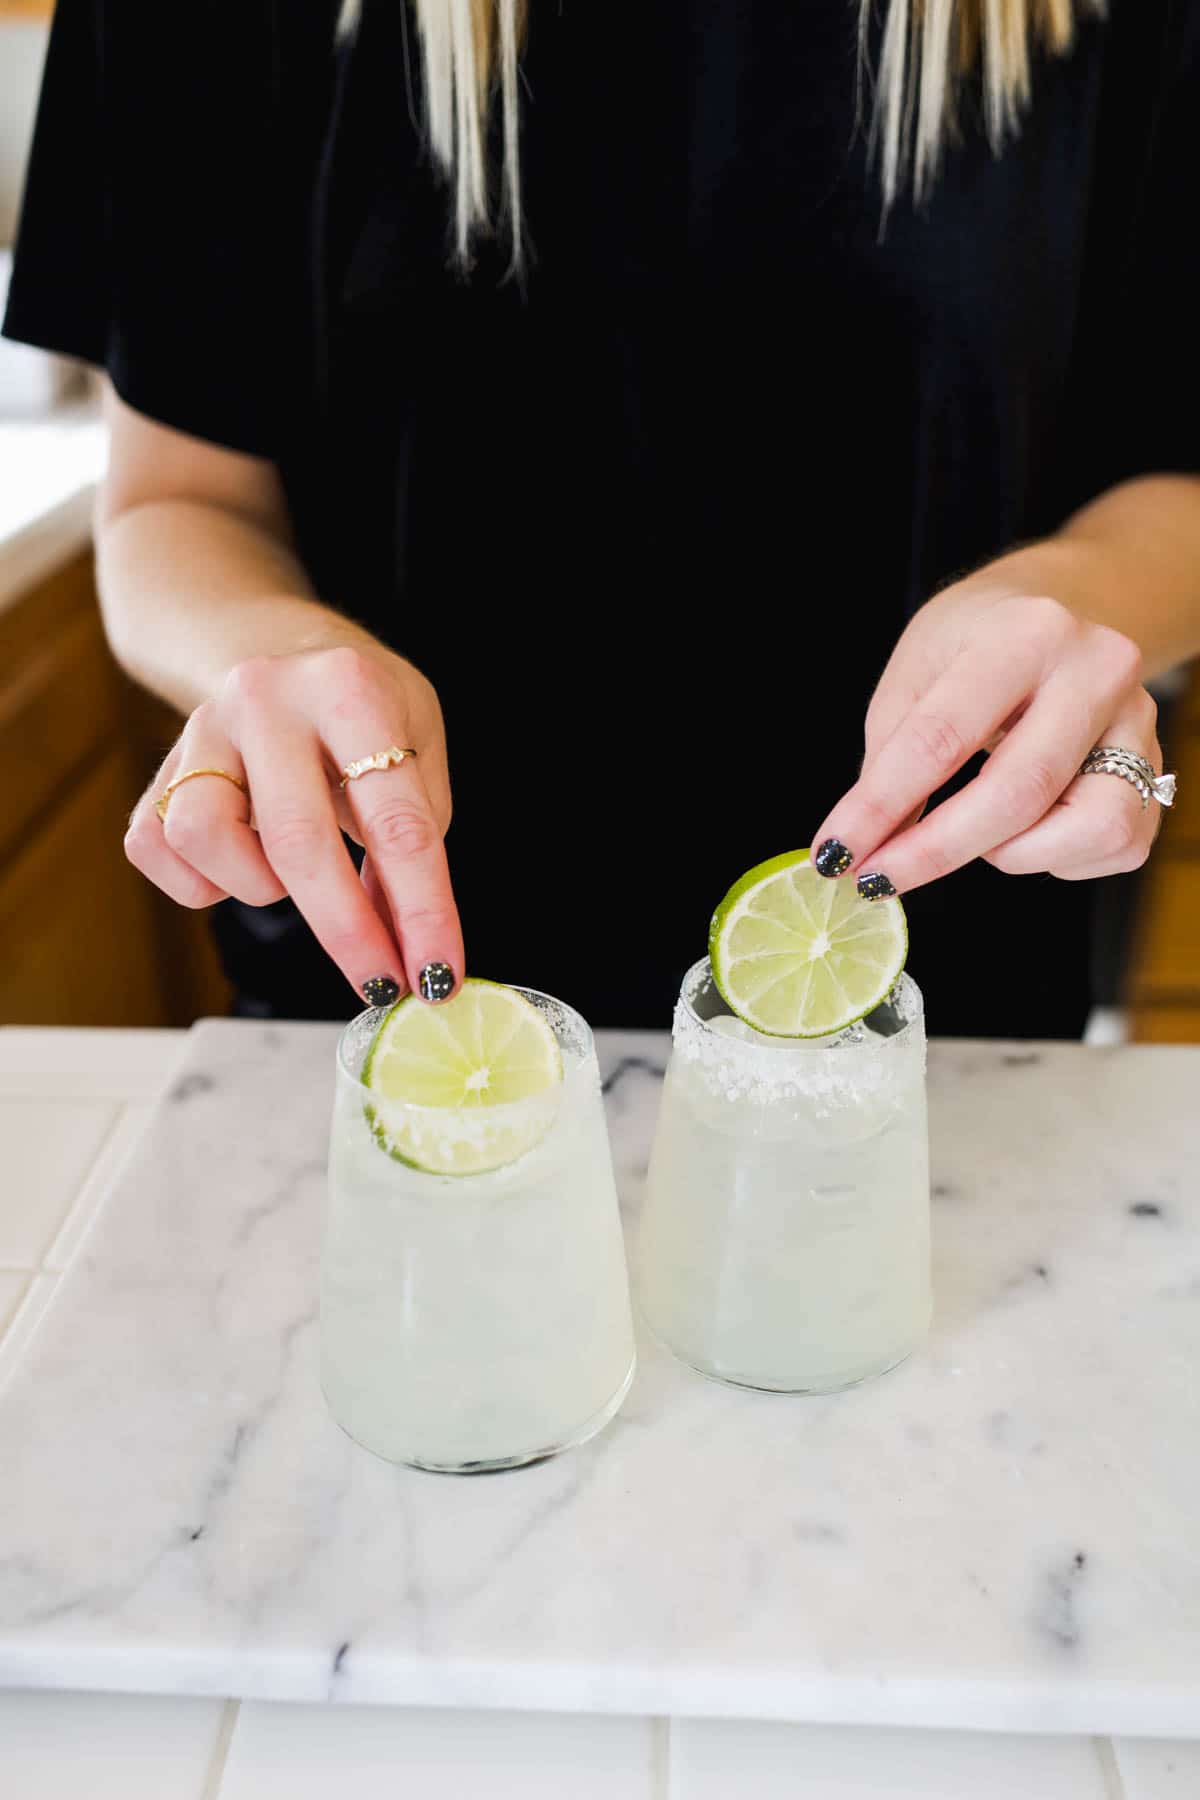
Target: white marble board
[{"x": 999, "y": 1535}]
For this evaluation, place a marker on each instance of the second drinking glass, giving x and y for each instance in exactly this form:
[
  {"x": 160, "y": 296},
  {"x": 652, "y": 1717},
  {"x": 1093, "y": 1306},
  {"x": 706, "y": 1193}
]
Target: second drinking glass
[{"x": 785, "y": 1238}]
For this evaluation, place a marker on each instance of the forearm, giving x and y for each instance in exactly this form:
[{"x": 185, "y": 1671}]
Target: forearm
[
  {"x": 1129, "y": 559},
  {"x": 189, "y": 589}
]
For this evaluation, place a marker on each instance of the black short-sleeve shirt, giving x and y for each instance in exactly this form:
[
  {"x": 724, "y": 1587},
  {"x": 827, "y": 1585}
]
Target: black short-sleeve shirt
[{"x": 652, "y": 516}]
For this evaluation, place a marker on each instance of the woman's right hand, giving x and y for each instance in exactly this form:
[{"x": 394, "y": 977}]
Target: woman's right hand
[{"x": 286, "y": 726}]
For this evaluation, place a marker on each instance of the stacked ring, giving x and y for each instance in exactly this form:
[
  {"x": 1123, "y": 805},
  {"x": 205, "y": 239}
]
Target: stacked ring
[
  {"x": 382, "y": 759},
  {"x": 1111, "y": 759}
]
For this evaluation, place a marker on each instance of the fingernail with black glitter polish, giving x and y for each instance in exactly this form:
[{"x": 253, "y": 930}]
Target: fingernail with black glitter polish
[
  {"x": 875, "y": 887},
  {"x": 437, "y": 982},
  {"x": 380, "y": 990},
  {"x": 832, "y": 858}
]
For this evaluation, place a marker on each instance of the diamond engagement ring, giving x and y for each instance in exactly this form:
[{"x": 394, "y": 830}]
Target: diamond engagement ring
[
  {"x": 382, "y": 759},
  {"x": 1111, "y": 759}
]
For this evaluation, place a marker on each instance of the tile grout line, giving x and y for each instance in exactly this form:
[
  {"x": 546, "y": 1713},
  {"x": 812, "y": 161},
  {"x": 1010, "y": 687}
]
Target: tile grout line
[
  {"x": 1110, "y": 1768},
  {"x": 26, "y": 1320},
  {"x": 6, "y": 1324},
  {"x": 102, "y": 1150},
  {"x": 73, "y": 1198},
  {"x": 660, "y": 1759},
  {"x": 109, "y": 1165},
  {"x": 215, "y": 1773}
]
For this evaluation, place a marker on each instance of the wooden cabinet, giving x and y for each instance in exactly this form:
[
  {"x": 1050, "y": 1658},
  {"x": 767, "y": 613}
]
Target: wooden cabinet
[
  {"x": 84, "y": 939},
  {"x": 1164, "y": 980}
]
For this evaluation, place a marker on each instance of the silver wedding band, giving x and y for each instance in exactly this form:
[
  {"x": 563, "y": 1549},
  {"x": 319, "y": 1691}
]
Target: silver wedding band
[{"x": 1112, "y": 759}]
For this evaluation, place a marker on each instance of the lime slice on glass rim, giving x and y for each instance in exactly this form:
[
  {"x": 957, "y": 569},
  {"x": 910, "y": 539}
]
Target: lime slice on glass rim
[
  {"x": 796, "y": 955},
  {"x": 466, "y": 1086}
]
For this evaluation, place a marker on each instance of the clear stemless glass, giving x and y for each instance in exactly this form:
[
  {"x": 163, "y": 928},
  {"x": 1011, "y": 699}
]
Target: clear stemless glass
[
  {"x": 475, "y": 1322},
  {"x": 785, "y": 1239}
]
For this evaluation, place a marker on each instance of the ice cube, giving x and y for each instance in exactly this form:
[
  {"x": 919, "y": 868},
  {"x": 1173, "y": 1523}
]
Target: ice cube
[{"x": 730, "y": 1027}]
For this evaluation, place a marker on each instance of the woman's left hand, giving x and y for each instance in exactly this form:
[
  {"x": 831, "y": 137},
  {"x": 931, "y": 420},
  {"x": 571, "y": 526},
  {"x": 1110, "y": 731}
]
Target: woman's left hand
[{"x": 986, "y": 666}]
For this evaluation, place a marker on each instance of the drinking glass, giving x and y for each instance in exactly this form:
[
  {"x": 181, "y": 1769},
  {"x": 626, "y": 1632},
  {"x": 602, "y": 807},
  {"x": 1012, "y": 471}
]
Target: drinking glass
[
  {"x": 475, "y": 1322},
  {"x": 785, "y": 1238}
]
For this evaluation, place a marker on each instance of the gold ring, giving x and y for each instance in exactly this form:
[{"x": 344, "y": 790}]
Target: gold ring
[
  {"x": 164, "y": 799},
  {"x": 382, "y": 759}
]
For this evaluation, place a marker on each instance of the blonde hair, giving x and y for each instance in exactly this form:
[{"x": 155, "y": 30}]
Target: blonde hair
[{"x": 929, "y": 49}]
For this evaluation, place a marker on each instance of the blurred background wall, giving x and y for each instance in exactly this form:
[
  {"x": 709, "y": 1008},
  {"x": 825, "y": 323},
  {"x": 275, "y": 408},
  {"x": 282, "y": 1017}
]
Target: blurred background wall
[
  {"x": 22, "y": 50},
  {"x": 22, "y": 53}
]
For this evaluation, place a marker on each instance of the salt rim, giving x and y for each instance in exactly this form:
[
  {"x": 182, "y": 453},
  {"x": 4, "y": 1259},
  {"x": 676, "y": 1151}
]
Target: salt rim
[
  {"x": 572, "y": 1030},
  {"x": 829, "y": 1074},
  {"x": 515, "y": 1126}
]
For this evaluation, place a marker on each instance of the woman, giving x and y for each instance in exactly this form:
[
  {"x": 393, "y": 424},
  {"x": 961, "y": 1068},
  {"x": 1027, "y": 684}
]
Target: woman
[{"x": 642, "y": 411}]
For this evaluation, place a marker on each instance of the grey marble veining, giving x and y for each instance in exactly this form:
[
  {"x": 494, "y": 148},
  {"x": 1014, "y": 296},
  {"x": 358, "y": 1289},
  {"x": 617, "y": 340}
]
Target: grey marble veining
[{"x": 999, "y": 1534}]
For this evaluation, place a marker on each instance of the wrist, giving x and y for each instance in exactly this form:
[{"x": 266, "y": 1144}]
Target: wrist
[
  {"x": 319, "y": 628},
  {"x": 1080, "y": 575},
  {"x": 282, "y": 625}
]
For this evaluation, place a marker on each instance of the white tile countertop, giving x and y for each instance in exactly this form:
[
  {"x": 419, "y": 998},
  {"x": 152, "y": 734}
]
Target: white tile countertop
[
  {"x": 49, "y": 468},
  {"x": 997, "y": 1537}
]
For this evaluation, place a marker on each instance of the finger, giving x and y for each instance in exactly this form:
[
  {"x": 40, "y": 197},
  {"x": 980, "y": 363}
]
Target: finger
[
  {"x": 147, "y": 849},
  {"x": 435, "y": 780},
  {"x": 208, "y": 819},
  {"x": 293, "y": 809},
  {"x": 1018, "y": 784},
  {"x": 898, "y": 693},
  {"x": 919, "y": 658},
  {"x": 406, "y": 851},
  {"x": 1099, "y": 827},
  {"x": 955, "y": 718},
  {"x": 373, "y": 888}
]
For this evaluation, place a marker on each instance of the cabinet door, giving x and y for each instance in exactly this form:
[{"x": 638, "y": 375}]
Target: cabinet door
[
  {"x": 84, "y": 939},
  {"x": 76, "y": 920},
  {"x": 1164, "y": 979}
]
